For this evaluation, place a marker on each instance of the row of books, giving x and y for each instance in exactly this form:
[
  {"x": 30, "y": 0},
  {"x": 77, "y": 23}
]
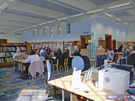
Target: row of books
[
  {"x": 6, "y": 54},
  {"x": 22, "y": 48},
  {"x": 7, "y": 48},
  {"x": 2, "y": 54},
  {"x": 2, "y": 60},
  {"x": 8, "y": 60}
]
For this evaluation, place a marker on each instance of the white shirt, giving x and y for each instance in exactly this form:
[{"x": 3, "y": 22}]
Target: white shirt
[
  {"x": 42, "y": 51},
  {"x": 32, "y": 58},
  {"x": 133, "y": 51}
]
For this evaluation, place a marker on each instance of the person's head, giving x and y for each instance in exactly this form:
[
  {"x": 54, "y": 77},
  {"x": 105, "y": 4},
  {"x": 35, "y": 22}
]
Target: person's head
[
  {"x": 18, "y": 50},
  {"x": 32, "y": 52},
  {"x": 106, "y": 51},
  {"x": 134, "y": 47},
  {"x": 125, "y": 49},
  {"x": 115, "y": 50}
]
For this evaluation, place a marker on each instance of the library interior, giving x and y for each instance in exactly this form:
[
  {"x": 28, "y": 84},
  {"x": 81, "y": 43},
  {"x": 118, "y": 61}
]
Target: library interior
[{"x": 67, "y": 50}]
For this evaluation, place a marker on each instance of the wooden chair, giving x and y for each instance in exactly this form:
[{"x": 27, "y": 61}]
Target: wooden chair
[
  {"x": 66, "y": 64},
  {"x": 59, "y": 64}
]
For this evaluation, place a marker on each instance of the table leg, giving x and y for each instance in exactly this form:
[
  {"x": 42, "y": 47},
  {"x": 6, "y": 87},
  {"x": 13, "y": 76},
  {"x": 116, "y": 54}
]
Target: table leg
[
  {"x": 63, "y": 95},
  {"x": 70, "y": 96},
  {"x": 54, "y": 89}
]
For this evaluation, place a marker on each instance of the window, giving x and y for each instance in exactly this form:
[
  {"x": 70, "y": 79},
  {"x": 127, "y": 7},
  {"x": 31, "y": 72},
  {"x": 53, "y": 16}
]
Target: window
[
  {"x": 51, "y": 31},
  {"x": 68, "y": 28},
  {"x": 59, "y": 30},
  {"x": 44, "y": 32},
  {"x": 33, "y": 33},
  {"x": 38, "y": 33}
]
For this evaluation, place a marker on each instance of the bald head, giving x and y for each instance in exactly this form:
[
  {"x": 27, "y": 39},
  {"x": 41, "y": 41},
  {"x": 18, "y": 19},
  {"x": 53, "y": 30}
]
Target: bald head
[{"x": 18, "y": 50}]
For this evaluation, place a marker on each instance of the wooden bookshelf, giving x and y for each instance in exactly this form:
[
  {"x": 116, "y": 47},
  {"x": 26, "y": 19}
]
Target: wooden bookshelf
[{"x": 9, "y": 49}]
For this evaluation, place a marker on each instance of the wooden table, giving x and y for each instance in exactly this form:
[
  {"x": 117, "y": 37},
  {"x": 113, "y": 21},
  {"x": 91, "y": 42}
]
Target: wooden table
[
  {"x": 95, "y": 94},
  {"x": 22, "y": 64}
]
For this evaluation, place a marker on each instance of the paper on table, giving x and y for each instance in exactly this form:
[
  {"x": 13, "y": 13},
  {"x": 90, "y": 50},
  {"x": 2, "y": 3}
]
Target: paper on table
[
  {"x": 132, "y": 85},
  {"x": 133, "y": 97},
  {"x": 75, "y": 79}
]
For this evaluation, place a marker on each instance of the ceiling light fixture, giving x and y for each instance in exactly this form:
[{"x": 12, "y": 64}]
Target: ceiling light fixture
[
  {"x": 77, "y": 15},
  {"x": 125, "y": 23},
  {"x": 132, "y": 12},
  {"x": 34, "y": 26},
  {"x": 42, "y": 24},
  {"x": 95, "y": 11},
  {"x": 124, "y": 4},
  {"x": 108, "y": 14},
  {"x": 118, "y": 19},
  {"x": 62, "y": 18},
  {"x": 4, "y": 6},
  {"x": 130, "y": 25},
  {"x": 51, "y": 21}
]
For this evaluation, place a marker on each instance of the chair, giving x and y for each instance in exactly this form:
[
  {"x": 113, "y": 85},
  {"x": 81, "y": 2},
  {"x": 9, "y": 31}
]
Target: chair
[
  {"x": 36, "y": 66},
  {"x": 59, "y": 63},
  {"x": 70, "y": 61},
  {"x": 78, "y": 62},
  {"x": 86, "y": 62},
  {"x": 47, "y": 78}
]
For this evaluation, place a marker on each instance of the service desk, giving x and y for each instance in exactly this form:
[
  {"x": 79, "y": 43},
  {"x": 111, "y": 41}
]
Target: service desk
[{"x": 95, "y": 94}]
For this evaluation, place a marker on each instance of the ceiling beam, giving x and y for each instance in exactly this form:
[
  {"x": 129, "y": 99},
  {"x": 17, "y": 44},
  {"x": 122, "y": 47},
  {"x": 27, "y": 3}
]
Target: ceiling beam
[
  {"x": 21, "y": 18},
  {"x": 14, "y": 23},
  {"x": 81, "y": 4},
  {"x": 29, "y": 8}
]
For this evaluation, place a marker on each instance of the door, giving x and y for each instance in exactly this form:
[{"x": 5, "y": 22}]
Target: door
[
  {"x": 108, "y": 39},
  {"x": 84, "y": 38}
]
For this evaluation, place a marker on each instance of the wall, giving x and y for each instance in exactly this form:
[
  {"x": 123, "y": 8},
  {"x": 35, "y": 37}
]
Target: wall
[
  {"x": 11, "y": 37},
  {"x": 131, "y": 34},
  {"x": 77, "y": 29},
  {"x": 105, "y": 26},
  {"x": 97, "y": 25}
]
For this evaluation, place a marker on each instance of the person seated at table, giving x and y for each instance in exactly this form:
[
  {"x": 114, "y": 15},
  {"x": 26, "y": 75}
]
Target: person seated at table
[
  {"x": 133, "y": 56},
  {"x": 106, "y": 57},
  {"x": 58, "y": 51},
  {"x": 65, "y": 53},
  {"x": 31, "y": 58},
  {"x": 77, "y": 52},
  {"x": 42, "y": 53},
  {"x": 133, "y": 49},
  {"x": 18, "y": 55}
]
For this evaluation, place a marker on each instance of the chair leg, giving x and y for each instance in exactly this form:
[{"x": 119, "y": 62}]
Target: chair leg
[
  {"x": 57, "y": 70},
  {"x": 53, "y": 68},
  {"x": 65, "y": 67}
]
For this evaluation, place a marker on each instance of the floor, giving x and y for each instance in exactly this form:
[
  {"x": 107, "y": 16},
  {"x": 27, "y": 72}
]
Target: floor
[{"x": 12, "y": 88}]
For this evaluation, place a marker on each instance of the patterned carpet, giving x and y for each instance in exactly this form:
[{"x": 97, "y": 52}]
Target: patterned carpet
[{"x": 12, "y": 88}]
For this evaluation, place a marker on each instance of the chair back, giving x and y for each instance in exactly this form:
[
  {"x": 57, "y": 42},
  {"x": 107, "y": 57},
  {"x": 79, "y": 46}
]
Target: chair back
[
  {"x": 61, "y": 61},
  {"x": 36, "y": 66},
  {"x": 48, "y": 75},
  {"x": 78, "y": 62},
  {"x": 86, "y": 62}
]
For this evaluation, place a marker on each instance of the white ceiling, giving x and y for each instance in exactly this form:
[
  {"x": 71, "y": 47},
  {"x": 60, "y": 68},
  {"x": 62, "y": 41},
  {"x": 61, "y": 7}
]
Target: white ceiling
[{"x": 21, "y": 15}]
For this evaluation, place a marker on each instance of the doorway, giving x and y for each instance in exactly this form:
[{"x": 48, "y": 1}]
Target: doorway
[
  {"x": 108, "y": 39},
  {"x": 84, "y": 41}
]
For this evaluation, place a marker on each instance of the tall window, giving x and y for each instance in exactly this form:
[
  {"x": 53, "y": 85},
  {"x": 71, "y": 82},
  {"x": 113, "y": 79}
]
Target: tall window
[
  {"x": 33, "y": 33},
  {"x": 68, "y": 28},
  {"x": 51, "y": 31},
  {"x": 59, "y": 30},
  {"x": 38, "y": 33},
  {"x": 44, "y": 32}
]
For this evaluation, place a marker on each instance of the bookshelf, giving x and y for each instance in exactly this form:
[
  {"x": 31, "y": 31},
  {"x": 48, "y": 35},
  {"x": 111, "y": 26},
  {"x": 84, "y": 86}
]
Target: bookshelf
[{"x": 9, "y": 49}]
